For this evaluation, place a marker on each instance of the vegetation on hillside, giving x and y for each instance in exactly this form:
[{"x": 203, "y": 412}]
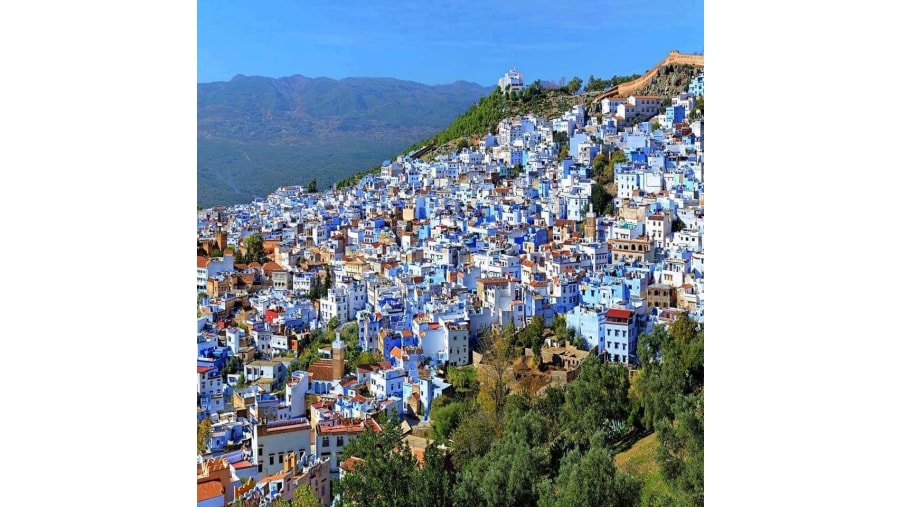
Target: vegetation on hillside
[
  {"x": 600, "y": 84},
  {"x": 255, "y": 134},
  {"x": 602, "y": 172},
  {"x": 511, "y": 449},
  {"x": 483, "y": 117}
]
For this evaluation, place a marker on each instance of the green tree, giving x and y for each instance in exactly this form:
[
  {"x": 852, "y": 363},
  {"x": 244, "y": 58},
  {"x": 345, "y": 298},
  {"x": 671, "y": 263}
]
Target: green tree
[
  {"x": 254, "y": 246},
  {"x": 574, "y": 85},
  {"x": 494, "y": 374},
  {"x": 668, "y": 398},
  {"x": 680, "y": 452},
  {"x": 598, "y": 395},
  {"x": 311, "y": 187},
  {"x": 446, "y": 418},
  {"x": 697, "y": 111},
  {"x": 607, "y": 486},
  {"x": 578, "y": 342},
  {"x": 534, "y": 331},
  {"x": 433, "y": 484},
  {"x": 509, "y": 473},
  {"x": 365, "y": 357},
  {"x": 386, "y": 475},
  {"x": 333, "y": 323},
  {"x": 233, "y": 365},
  {"x": 593, "y": 85},
  {"x": 204, "y": 428},
  {"x": 304, "y": 496},
  {"x": 473, "y": 437},
  {"x": 463, "y": 378}
]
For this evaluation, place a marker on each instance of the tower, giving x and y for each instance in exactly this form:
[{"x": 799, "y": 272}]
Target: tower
[
  {"x": 222, "y": 239},
  {"x": 590, "y": 224},
  {"x": 337, "y": 357}
]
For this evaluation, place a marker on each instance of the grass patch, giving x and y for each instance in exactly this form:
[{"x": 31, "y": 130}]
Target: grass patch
[{"x": 640, "y": 460}]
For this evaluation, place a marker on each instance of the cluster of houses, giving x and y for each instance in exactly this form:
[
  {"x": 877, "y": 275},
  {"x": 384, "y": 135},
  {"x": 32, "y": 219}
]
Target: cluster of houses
[{"x": 424, "y": 257}]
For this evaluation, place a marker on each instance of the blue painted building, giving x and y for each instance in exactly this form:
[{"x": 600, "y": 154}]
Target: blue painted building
[
  {"x": 589, "y": 323},
  {"x": 674, "y": 114},
  {"x": 696, "y": 86}
]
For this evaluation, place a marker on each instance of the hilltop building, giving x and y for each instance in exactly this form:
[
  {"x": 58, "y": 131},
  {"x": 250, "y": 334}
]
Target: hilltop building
[{"x": 511, "y": 81}]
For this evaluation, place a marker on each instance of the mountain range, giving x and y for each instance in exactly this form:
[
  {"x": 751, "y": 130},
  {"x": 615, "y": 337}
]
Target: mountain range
[{"x": 256, "y": 133}]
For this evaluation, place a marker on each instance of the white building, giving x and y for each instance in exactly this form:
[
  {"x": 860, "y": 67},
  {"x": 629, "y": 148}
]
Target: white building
[
  {"x": 273, "y": 441},
  {"x": 295, "y": 393},
  {"x": 209, "y": 381},
  {"x": 388, "y": 382},
  {"x": 645, "y": 106},
  {"x": 512, "y": 80},
  {"x": 263, "y": 339},
  {"x": 610, "y": 105},
  {"x": 335, "y": 305},
  {"x": 233, "y": 336}
]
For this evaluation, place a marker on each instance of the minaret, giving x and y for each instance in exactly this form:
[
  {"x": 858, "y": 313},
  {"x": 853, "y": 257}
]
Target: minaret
[
  {"x": 590, "y": 224},
  {"x": 222, "y": 239},
  {"x": 337, "y": 357}
]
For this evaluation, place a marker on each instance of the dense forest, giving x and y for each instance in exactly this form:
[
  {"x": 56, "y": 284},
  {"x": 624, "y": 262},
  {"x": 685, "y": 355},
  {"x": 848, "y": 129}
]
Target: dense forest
[
  {"x": 496, "y": 447},
  {"x": 256, "y": 133}
]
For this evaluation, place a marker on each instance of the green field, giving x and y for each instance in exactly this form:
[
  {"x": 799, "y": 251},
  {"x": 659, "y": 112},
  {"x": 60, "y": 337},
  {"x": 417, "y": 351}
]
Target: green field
[{"x": 640, "y": 460}]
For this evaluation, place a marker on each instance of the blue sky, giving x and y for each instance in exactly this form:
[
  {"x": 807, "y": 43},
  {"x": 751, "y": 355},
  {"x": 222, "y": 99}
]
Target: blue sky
[{"x": 444, "y": 41}]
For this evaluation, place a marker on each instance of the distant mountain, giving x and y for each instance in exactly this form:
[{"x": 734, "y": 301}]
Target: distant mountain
[{"x": 257, "y": 133}]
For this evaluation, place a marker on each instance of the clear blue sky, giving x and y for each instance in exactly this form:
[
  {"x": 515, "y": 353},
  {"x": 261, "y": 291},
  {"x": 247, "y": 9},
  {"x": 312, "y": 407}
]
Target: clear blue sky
[{"x": 444, "y": 41}]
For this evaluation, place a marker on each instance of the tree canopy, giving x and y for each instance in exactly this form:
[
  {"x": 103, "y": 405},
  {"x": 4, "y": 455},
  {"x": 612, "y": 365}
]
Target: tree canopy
[
  {"x": 556, "y": 449},
  {"x": 255, "y": 252}
]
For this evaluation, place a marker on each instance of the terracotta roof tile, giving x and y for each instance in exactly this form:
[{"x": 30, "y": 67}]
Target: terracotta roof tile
[
  {"x": 618, "y": 313},
  {"x": 208, "y": 490}
]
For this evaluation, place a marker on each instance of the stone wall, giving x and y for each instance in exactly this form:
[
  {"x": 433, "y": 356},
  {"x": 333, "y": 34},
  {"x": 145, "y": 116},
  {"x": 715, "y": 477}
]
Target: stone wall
[{"x": 626, "y": 89}]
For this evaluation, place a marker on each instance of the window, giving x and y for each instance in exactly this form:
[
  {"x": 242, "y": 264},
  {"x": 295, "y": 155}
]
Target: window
[
  {"x": 326, "y": 442},
  {"x": 340, "y": 441},
  {"x": 281, "y": 457},
  {"x": 271, "y": 459}
]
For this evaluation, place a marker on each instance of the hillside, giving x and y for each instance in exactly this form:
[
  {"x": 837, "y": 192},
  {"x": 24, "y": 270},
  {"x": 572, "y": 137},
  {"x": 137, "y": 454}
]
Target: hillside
[
  {"x": 667, "y": 78},
  {"x": 257, "y": 133}
]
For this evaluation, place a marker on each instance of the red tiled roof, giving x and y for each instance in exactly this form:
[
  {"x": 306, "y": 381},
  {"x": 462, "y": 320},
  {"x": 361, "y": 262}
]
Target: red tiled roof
[
  {"x": 204, "y": 369},
  {"x": 208, "y": 490},
  {"x": 322, "y": 370},
  {"x": 618, "y": 314},
  {"x": 350, "y": 463},
  {"x": 272, "y": 266},
  {"x": 202, "y": 262}
]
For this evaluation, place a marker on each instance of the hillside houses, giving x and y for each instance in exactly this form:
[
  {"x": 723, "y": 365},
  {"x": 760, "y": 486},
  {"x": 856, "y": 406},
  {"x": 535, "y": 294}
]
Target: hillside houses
[{"x": 421, "y": 258}]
